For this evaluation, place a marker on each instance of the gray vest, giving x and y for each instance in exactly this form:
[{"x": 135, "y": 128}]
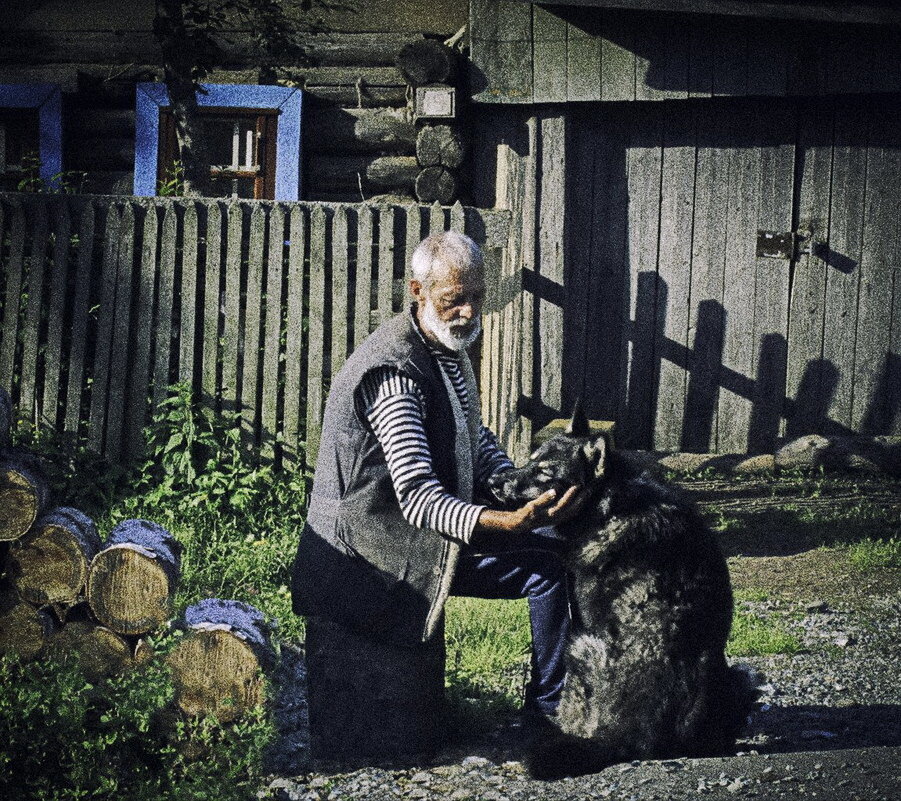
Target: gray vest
[{"x": 359, "y": 562}]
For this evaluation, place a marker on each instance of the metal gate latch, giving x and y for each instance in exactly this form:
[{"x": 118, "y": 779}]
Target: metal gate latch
[{"x": 788, "y": 246}]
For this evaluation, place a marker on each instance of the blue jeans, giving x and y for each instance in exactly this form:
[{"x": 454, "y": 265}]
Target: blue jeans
[{"x": 525, "y": 566}]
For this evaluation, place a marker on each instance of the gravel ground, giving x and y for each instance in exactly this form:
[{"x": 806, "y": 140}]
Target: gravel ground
[{"x": 829, "y": 727}]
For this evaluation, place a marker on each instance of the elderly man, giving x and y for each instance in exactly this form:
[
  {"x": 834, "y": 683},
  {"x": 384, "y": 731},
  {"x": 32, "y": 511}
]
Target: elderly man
[{"x": 394, "y": 523}]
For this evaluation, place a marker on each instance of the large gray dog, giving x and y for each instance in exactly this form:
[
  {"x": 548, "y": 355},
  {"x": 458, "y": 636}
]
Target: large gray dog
[{"x": 646, "y": 671}]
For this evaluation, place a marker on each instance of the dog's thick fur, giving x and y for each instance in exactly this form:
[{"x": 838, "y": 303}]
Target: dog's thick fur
[{"x": 646, "y": 671}]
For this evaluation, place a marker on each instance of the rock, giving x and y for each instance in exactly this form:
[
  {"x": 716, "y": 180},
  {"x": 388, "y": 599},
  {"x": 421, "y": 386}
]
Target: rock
[
  {"x": 475, "y": 762},
  {"x": 804, "y": 452}
]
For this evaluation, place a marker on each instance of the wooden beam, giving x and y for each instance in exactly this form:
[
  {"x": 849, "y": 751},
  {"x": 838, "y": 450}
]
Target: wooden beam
[{"x": 855, "y": 13}]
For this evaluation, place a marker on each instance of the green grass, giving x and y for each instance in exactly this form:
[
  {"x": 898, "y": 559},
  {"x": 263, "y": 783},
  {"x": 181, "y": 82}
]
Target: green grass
[
  {"x": 870, "y": 554},
  {"x": 752, "y": 636}
]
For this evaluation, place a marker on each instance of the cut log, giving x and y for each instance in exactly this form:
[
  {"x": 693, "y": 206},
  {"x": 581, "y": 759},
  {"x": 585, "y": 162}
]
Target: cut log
[
  {"x": 218, "y": 667},
  {"x": 24, "y": 629},
  {"x": 337, "y": 174},
  {"x": 6, "y": 417},
  {"x": 439, "y": 146},
  {"x": 49, "y": 564},
  {"x": 99, "y": 651},
  {"x": 132, "y": 580},
  {"x": 436, "y": 183},
  {"x": 427, "y": 61},
  {"x": 338, "y": 130},
  {"x": 23, "y": 496}
]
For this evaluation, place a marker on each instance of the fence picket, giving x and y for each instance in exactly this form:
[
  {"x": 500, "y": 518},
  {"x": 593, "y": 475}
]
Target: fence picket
[
  {"x": 294, "y": 338},
  {"x": 121, "y": 334},
  {"x": 339, "y": 288},
  {"x": 271, "y": 363},
  {"x": 436, "y": 218},
  {"x": 105, "y": 317},
  {"x": 13, "y": 296},
  {"x": 35, "y": 283},
  {"x": 363, "y": 296},
  {"x": 386, "y": 262},
  {"x": 414, "y": 221},
  {"x": 315, "y": 352},
  {"x": 164, "y": 304},
  {"x": 250, "y": 379},
  {"x": 232, "y": 308},
  {"x": 209, "y": 386},
  {"x": 80, "y": 316},
  {"x": 62, "y": 229},
  {"x": 187, "y": 314}
]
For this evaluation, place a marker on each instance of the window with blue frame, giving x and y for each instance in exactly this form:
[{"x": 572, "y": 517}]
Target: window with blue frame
[
  {"x": 30, "y": 133},
  {"x": 253, "y": 138}
]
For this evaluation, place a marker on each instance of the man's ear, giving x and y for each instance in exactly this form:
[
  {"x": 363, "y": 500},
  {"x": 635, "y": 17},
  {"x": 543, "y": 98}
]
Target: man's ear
[
  {"x": 597, "y": 453},
  {"x": 578, "y": 425},
  {"x": 416, "y": 289}
]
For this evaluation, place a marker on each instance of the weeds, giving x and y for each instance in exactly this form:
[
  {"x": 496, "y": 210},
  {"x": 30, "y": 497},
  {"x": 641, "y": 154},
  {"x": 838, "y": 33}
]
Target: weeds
[
  {"x": 753, "y": 636},
  {"x": 870, "y": 554}
]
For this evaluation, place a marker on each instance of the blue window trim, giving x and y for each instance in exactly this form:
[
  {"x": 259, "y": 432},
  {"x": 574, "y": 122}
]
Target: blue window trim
[
  {"x": 151, "y": 97},
  {"x": 47, "y": 99}
]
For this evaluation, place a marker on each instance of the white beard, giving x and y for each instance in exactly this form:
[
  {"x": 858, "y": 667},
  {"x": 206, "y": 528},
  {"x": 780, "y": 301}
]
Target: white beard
[{"x": 447, "y": 333}]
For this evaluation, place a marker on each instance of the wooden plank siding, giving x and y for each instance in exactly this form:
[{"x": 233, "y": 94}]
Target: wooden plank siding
[
  {"x": 541, "y": 53},
  {"x": 286, "y": 287},
  {"x": 643, "y": 290}
]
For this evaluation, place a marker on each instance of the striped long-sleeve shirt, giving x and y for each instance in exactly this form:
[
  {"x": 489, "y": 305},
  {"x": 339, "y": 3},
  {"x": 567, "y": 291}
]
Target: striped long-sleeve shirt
[{"x": 395, "y": 407}]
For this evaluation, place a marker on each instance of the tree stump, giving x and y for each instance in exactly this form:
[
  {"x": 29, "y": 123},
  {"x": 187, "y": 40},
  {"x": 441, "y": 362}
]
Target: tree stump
[
  {"x": 49, "y": 565},
  {"x": 218, "y": 667},
  {"x": 24, "y": 630},
  {"x": 23, "y": 496},
  {"x": 132, "y": 580},
  {"x": 369, "y": 699}
]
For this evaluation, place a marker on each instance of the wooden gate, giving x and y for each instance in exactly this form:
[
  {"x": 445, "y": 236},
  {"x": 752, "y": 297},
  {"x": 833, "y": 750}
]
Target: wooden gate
[{"x": 732, "y": 269}]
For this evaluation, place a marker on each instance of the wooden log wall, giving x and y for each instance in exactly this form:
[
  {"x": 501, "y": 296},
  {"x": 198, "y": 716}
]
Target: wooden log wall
[
  {"x": 105, "y": 302},
  {"x": 636, "y": 235},
  {"x": 538, "y": 53}
]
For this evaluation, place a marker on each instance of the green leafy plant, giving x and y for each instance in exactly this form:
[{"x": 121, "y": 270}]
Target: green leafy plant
[
  {"x": 69, "y": 738},
  {"x": 870, "y": 554},
  {"x": 67, "y": 182},
  {"x": 173, "y": 185}
]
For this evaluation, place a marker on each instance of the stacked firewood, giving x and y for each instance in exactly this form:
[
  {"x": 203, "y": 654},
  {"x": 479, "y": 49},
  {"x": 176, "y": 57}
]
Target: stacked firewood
[{"x": 62, "y": 589}]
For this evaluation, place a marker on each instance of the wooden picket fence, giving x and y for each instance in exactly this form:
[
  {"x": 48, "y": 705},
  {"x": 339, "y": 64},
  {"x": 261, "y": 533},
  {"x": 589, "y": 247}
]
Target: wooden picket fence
[{"x": 107, "y": 301}]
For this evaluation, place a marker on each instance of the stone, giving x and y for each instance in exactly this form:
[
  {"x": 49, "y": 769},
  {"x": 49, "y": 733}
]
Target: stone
[
  {"x": 369, "y": 699},
  {"x": 804, "y": 452}
]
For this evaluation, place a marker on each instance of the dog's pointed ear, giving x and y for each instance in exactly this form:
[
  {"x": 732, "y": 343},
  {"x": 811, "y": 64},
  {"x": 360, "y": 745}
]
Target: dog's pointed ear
[
  {"x": 597, "y": 452},
  {"x": 578, "y": 425}
]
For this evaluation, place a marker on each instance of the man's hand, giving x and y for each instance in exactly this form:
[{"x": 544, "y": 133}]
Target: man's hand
[{"x": 545, "y": 510}]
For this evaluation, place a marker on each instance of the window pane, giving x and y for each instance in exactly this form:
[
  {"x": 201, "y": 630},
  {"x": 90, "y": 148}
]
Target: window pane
[
  {"x": 20, "y": 142},
  {"x": 232, "y": 140}
]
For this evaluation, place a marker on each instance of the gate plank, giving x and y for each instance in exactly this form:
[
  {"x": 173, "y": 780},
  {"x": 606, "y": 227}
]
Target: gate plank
[
  {"x": 273, "y": 327},
  {"x": 771, "y": 297},
  {"x": 735, "y": 403},
  {"x": 13, "y": 295},
  {"x": 808, "y": 380},
  {"x": 164, "y": 305},
  {"x": 85, "y": 262},
  {"x": 671, "y": 326},
  {"x": 35, "y": 289},
  {"x": 879, "y": 257},
  {"x": 412, "y": 223},
  {"x": 62, "y": 232},
  {"x": 385, "y": 263},
  {"x": 844, "y": 263},
  {"x": 294, "y": 338}
]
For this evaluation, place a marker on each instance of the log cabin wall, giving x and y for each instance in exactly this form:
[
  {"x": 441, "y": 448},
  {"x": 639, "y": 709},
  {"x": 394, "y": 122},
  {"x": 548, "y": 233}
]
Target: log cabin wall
[
  {"x": 650, "y": 161},
  {"x": 359, "y": 135}
]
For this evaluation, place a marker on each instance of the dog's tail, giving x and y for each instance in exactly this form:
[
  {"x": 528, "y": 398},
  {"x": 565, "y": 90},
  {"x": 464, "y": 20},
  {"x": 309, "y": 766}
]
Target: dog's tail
[{"x": 561, "y": 754}]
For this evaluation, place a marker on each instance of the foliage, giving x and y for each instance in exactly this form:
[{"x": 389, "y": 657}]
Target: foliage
[
  {"x": 173, "y": 185},
  {"x": 68, "y": 738},
  {"x": 753, "y": 636},
  {"x": 67, "y": 182},
  {"x": 869, "y": 554}
]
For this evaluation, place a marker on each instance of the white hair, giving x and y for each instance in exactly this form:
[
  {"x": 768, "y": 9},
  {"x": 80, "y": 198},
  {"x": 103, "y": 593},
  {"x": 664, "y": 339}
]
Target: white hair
[{"x": 447, "y": 250}]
